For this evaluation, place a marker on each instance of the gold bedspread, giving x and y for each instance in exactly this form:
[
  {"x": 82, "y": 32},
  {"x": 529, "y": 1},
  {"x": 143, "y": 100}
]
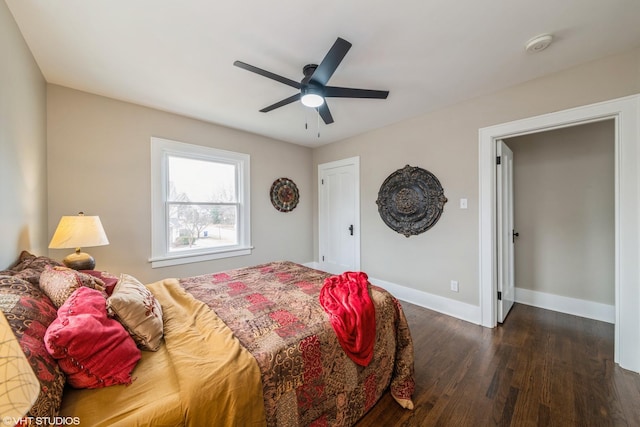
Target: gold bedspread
[{"x": 200, "y": 376}]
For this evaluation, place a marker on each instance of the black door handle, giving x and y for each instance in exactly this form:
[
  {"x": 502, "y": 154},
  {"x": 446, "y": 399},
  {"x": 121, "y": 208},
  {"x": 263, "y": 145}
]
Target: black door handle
[
  {"x": 514, "y": 235},
  {"x": 351, "y": 229}
]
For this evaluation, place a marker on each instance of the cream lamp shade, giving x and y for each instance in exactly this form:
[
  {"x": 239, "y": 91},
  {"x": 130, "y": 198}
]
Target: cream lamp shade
[
  {"x": 77, "y": 232},
  {"x": 19, "y": 387}
]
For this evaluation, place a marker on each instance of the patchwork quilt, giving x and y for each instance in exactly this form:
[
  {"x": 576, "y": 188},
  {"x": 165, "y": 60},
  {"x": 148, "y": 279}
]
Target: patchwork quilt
[{"x": 307, "y": 378}]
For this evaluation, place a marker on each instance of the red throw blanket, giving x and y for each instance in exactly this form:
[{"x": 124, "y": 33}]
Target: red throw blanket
[{"x": 352, "y": 314}]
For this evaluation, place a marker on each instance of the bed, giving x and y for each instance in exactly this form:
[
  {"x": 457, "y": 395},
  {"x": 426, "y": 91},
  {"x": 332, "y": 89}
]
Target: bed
[{"x": 252, "y": 346}]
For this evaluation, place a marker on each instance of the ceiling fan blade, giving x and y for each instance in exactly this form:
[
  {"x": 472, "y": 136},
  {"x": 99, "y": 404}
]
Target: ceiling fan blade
[
  {"x": 324, "y": 112},
  {"x": 347, "y": 92},
  {"x": 282, "y": 103},
  {"x": 330, "y": 62},
  {"x": 268, "y": 74}
]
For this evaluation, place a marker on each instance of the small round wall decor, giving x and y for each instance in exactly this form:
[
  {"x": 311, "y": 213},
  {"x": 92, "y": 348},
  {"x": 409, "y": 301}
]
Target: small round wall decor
[
  {"x": 411, "y": 200},
  {"x": 284, "y": 194}
]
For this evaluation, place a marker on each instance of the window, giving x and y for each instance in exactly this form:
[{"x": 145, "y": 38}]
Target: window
[{"x": 200, "y": 203}]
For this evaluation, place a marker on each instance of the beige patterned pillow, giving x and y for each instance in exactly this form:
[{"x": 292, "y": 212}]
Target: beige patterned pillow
[
  {"x": 133, "y": 305},
  {"x": 60, "y": 282}
]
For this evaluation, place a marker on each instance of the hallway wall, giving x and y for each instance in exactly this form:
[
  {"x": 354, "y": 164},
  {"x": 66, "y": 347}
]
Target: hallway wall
[{"x": 564, "y": 211}]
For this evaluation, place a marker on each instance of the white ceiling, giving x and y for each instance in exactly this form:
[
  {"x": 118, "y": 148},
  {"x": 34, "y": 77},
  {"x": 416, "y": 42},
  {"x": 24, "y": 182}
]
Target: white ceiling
[{"x": 177, "y": 55}]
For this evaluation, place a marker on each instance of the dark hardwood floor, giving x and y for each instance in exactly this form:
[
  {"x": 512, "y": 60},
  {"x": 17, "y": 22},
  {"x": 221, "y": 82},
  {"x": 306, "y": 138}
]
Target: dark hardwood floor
[{"x": 540, "y": 368}]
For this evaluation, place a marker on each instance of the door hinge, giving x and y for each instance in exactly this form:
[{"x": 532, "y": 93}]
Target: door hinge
[
  {"x": 322, "y": 181},
  {"x": 498, "y": 160},
  {"x": 499, "y": 296},
  {"x": 322, "y": 257}
]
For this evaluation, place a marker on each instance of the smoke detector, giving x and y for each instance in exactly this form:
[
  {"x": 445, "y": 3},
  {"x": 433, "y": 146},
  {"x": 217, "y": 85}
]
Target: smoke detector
[{"x": 539, "y": 43}]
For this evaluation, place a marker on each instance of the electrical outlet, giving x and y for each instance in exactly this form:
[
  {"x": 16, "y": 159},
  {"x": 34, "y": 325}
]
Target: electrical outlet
[
  {"x": 454, "y": 285},
  {"x": 463, "y": 203}
]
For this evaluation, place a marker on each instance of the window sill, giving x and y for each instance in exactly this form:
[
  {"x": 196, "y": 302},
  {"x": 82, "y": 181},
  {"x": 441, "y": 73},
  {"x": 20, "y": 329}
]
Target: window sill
[{"x": 167, "y": 261}]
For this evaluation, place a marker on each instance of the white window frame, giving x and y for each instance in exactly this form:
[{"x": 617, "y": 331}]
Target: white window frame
[{"x": 161, "y": 149}]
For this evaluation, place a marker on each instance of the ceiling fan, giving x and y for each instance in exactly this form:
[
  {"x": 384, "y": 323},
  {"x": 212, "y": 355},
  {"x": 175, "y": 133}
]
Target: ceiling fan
[{"x": 313, "y": 86}]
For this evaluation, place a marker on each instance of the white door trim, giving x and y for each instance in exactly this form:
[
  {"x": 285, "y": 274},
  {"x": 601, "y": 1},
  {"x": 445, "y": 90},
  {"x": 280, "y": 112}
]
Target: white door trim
[
  {"x": 626, "y": 113},
  {"x": 351, "y": 161}
]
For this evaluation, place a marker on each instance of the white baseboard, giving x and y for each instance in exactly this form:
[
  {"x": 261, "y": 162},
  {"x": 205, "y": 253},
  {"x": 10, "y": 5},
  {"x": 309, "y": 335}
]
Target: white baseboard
[
  {"x": 577, "y": 307},
  {"x": 448, "y": 306},
  {"x": 471, "y": 313}
]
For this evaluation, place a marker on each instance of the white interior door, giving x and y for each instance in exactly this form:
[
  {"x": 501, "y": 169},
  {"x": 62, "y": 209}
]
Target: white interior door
[
  {"x": 339, "y": 215},
  {"x": 506, "y": 233}
]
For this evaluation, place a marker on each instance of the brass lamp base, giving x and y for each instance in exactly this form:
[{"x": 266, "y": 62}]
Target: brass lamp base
[{"x": 79, "y": 261}]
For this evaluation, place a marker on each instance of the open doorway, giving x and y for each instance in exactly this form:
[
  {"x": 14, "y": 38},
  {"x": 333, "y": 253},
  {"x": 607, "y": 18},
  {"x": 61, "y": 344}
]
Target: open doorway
[
  {"x": 626, "y": 115},
  {"x": 564, "y": 201}
]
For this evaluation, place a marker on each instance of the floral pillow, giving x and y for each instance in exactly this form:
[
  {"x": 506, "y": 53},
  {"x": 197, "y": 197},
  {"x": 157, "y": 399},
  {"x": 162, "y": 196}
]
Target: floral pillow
[
  {"x": 133, "y": 304},
  {"x": 29, "y": 260},
  {"x": 92, "y": 349},
  {"x": 60, "y": 282},
  {"x": 29, "y": 267},
  {"x": 29, "y": 312}
]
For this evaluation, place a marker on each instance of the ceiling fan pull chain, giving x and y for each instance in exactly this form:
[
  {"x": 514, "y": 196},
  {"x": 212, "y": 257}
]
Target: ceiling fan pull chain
[{"x": 318, "y": 117}]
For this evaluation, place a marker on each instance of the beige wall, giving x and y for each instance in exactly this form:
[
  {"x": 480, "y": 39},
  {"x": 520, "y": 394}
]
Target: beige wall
[
  {"x": 99, "y": 163},
  {"x": 98, "y": 160},
  {"x": 564, "y": 211},
  {"x": 445, "y": 142},
  {"x": 23, "y": 162}
]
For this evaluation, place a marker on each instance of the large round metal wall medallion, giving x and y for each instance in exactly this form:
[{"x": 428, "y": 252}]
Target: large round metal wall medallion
[
  {"x": 411, "y": 200},
  {"x": 284, "y": 194}
]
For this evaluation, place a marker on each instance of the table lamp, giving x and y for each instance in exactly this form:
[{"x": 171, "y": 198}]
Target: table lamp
[
  {"x": 19, "y": 387},
  {"x": 76, "y": 232}
]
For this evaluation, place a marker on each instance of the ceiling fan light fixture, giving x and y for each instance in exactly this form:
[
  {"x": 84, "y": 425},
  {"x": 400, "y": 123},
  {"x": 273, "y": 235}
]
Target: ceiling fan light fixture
[
  {"x": 311, "y": 96},
  {"x": 312, "y": 100},
  {"x": 313, "y": 89}
]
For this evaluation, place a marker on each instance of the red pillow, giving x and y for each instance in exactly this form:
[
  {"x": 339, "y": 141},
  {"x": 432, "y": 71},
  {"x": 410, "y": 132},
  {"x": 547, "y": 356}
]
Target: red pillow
[{"x": 92, "y": 349}]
